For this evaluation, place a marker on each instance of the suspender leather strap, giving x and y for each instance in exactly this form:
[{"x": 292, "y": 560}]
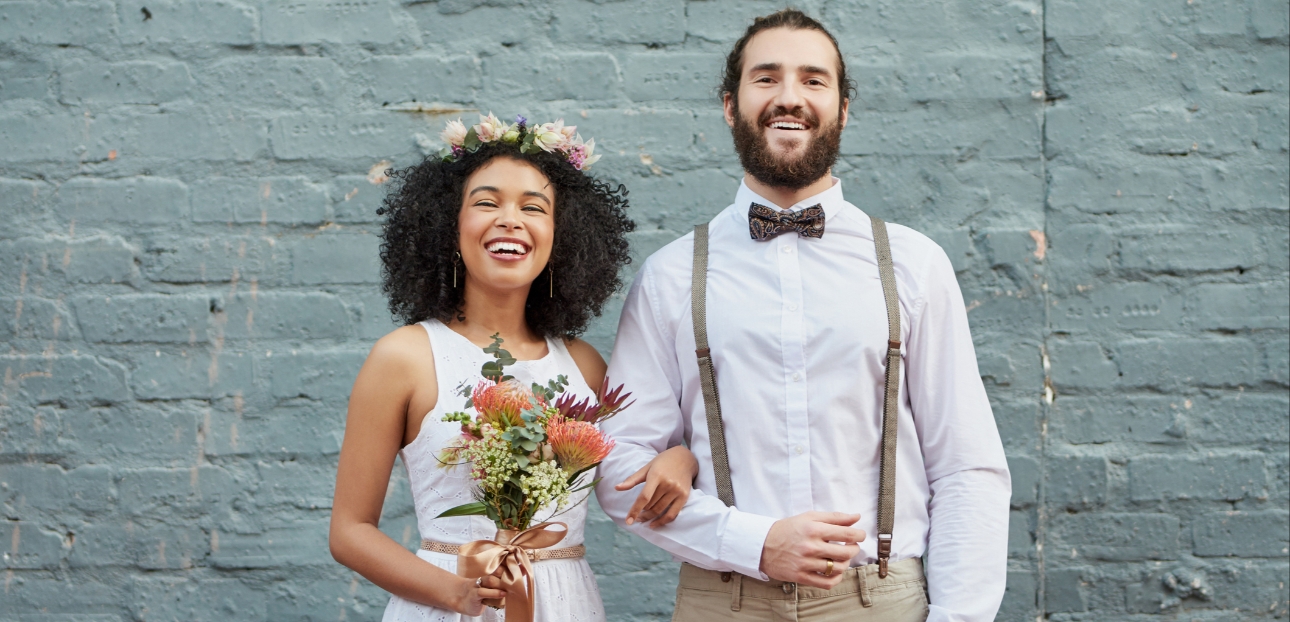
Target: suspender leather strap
[
  {"x": 891, "y": 381},
  {"x": 890, "y": 398},
  {"x": 708, "y": 375}
]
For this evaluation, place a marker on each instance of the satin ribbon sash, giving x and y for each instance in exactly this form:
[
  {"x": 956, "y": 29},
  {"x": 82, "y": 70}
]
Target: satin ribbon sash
[{"x": 508, "y": 558}]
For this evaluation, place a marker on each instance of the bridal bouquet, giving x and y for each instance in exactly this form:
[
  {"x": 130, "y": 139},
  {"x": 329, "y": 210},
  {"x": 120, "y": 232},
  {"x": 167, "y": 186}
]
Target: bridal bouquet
[{"x": 527, "y": 446}]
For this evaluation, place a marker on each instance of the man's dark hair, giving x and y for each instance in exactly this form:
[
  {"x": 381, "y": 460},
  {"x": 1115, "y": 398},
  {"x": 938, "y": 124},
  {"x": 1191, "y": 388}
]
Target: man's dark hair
[
  {"x": 419, "y": 242},
  {"x": 792, "y": 19}
]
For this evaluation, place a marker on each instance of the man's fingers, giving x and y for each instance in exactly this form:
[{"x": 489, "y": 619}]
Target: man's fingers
[
  {"x": 841, "y": 554},
  {"x": 833, "y": 518},
  {"x": 634, "y": 479},
  {"x": 834, "y": 533}
]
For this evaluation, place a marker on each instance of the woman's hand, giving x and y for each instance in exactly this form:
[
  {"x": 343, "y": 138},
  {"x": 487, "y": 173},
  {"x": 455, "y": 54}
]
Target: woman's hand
[
  {"x": 471, "y": 594},
  {"x": 668, "y": 479}
]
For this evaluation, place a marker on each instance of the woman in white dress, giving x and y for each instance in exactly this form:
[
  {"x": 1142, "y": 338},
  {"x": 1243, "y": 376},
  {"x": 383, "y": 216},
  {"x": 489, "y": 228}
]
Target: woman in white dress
[{"x": 496, "y": 236}]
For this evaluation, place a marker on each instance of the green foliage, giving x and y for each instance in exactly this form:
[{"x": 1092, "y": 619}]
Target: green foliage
[
  {"x": 552, "y": 388},
  {"x": 493, "y": 370}
]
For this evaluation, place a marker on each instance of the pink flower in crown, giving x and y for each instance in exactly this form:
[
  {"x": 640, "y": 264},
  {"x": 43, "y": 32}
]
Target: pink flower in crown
[
  {"x": 582, "y": 155},
  {"x": 490, "y": 128},
  {"x": 454, "y": 134},
  {"x": 550, "y": 137}
]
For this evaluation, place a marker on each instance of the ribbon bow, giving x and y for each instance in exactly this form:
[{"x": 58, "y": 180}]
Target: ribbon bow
[
  {"x": 510, "y": 553},
  {"x": 765, "y": 223}
]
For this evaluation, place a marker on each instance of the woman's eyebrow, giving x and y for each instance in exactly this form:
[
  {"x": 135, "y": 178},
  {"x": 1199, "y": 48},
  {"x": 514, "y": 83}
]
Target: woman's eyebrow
[
  {"x": 535, "y": 193},
  {"x": 483, "y": 189}
]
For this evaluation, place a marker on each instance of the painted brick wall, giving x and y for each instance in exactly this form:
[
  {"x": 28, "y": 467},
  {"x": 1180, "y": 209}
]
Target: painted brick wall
[{"x": 188, "y": 279}]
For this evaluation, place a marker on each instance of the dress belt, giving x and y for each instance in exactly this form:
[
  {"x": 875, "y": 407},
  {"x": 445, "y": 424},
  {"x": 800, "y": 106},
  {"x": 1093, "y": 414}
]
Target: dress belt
[{"x": 569, "y": 552}]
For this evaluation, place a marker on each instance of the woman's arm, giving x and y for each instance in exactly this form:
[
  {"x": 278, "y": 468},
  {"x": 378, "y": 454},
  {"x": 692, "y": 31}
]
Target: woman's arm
[
  {"x": 399, "y": 366},
  {"x": 668, "y": 478}
]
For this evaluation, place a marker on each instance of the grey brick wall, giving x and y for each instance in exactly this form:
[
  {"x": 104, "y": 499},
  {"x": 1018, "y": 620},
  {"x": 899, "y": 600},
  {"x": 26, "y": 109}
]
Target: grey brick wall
[{"x": 188, "y": 271}]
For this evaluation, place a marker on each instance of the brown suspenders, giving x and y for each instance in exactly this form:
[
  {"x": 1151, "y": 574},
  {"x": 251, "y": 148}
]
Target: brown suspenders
[{"x": 891, "y": 394}]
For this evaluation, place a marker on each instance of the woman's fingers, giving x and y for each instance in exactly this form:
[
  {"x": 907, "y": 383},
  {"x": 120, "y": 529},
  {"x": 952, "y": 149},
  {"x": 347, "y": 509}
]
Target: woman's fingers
[
  {"x": 491, "y": 581},
  {"x": 486, "y": 593},
  {"x": 634, "y": 480},
  {"x": 643, "y": 499}
]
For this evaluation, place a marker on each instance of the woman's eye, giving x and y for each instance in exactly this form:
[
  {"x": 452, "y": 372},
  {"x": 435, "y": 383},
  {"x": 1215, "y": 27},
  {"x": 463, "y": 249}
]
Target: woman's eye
[
  {"x": 486, "y": 204},
  {"x": 534, "y": 208}
]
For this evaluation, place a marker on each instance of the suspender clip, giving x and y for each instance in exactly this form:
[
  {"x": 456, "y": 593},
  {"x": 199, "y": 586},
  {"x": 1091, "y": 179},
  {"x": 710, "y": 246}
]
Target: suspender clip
[
  {"x": 884, "y": 554},
  {"x": 892, "y": 344},
  {"x": 703, "y": 353}
]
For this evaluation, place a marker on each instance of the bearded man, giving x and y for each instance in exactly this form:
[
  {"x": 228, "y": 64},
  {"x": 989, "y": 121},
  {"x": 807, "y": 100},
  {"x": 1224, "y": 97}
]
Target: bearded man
[{"x": 818, "y": 363}]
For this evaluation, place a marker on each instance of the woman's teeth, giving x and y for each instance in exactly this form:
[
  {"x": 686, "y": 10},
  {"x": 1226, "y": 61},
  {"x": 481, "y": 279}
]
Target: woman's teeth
[{"x": 509, "y": 248}]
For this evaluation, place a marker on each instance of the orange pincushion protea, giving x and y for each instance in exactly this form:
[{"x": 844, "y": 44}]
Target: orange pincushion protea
[
  {"x": 577, "y": 444},
  {"x": 501, "y": 404}
]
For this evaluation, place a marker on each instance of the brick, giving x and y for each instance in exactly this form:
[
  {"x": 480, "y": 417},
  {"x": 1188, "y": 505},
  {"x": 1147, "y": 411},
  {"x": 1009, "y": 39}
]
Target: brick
[
  {"x": 72, "y": 377},
  {"x": 702, "y": 193},
  {"x": 1063, "y": 591},
  {"x": 28, "y": 547},
  {"x": 724, "y": 22},
  {"x": 35, "y": 318},
  {"x": 1021, "y": 535},
  {"x": 328, "y": 22},
  {"x": 1206, "y": 250},
  {"x": 214, "y": 260},
  {"x": 287, "y": 200},
  {"x": 72, "y": 23},
  {"x": 129, "y": 82},
  {"x": 672, "y": 76},
  {"x": 1242, "y": 534},
  {"x": 1119, "y": 306},
  {"x": 397, "y": 79},
  {"x": 1270, "y": 19},
  {"x": 188, "y": 21},
  {"x": 136, "y": 201},
  {"x": 1276, "y": 354},
  {"x": 275, "y": 82},
  {"x": 25, "y": 79},
  {"x": 143, "y": 318},
  {"x": 1081, "y": 365},
  {"x": 630, "y": 21},
  {"x": 1116, "y": 536},
  {"x": 1075, "y": 482},
  {"x": 291, "y": 484},
  {"x": 185, "y": 597},
  {"x": 136, "y": 432},
  {"x": 1233, "y": 306},
  {"x": 87, "y": 259},
  {"x": 1026, "y": 475},
  {"x": 32, "y": 491},
  {"x": 304, "y": 136},
  {"x": 30, "y": 135},
  {"x": 164, "y": 494},
  {"x": 942, "y": 129},
  {"x": 1019, "y": 596},
  {"x": 374, "y": 319},
  {"x": 961, "y": 76},
  {"x": 355, "y": 199},
  {"x": 1219, "y": 477},
  {"x": 546, "y": 77},
  {"x": 283, "y": 315},
  {"x": 1221, "y": 17},
  {"x": 1247, "y": 187},
  {"x": 1241, "y": 418},
  {"x": 294, "y": 430},
  {"x": 1083, "y": 420},
  {"x": 341, "y": 258},
  {"x": 1133, "y": 190},
  {"x": 1187, "y": 362},
  {"x": 285, "y": 547},
  {"x": 195, "y": 373},
  {"x": 315, "y": 374},
  {"x": 1018, "y": 422}
]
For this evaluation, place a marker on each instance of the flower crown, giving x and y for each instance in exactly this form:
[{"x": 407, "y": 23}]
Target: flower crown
[{"x": 549, "y": 137}]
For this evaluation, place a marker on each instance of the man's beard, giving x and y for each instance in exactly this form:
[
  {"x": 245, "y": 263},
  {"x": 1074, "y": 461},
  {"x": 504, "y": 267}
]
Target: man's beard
[{"x": 792, "y": 173}]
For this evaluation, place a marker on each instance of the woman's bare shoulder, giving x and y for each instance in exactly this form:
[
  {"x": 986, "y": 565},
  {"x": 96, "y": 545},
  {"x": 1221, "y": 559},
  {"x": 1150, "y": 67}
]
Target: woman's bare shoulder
[
  {"x": 588, "y": 360},
  {"x": 408, "y": 346}
]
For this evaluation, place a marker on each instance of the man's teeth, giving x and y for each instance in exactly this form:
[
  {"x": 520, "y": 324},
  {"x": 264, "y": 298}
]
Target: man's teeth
[
  {"x": 507, "y": 247},
  {"x": 784, "y": 125}
]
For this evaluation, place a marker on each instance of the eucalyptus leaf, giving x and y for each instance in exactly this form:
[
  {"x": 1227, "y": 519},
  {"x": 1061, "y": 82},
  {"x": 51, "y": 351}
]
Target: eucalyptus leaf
[{"x": 474, "y": 508}]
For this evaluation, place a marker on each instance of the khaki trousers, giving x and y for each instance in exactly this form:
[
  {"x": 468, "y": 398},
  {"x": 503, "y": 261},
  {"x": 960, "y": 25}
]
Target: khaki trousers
[{"x": 709, "y": 596}]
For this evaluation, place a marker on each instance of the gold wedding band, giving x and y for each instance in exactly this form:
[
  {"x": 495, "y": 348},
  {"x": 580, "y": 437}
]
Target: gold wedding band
[{"x": 828, "y": 570}]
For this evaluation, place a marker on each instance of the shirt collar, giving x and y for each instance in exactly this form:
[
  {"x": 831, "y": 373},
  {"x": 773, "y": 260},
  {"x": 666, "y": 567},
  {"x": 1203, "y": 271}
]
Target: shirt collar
[{"x": 831, "y": 200}]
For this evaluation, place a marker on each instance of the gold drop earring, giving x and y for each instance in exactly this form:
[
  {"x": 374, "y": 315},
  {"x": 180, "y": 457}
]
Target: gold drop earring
[
  {"x": 456, "y": 258},
  {"x": 550, "y": 280}
]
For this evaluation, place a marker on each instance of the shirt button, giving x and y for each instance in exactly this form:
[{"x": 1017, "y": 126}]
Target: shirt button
[
  {"x": 792, "y": 307},
  {"x": 798, "y": 449},
  {"x": 796, "y": 376},
  {"x": 788, "y": 249}
]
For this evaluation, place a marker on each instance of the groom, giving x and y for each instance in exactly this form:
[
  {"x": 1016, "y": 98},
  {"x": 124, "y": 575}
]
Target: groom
[{"x": 818, "y": 364}]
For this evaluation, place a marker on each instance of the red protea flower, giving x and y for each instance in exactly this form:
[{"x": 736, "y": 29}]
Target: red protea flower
[
  {"x": 501, "y": 404},
  {"x": 577, "y": 444}
]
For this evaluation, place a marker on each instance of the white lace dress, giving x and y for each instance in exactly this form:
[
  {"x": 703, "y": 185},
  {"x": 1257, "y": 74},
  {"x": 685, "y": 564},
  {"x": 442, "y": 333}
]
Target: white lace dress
[{"x": 566, "y": 588}]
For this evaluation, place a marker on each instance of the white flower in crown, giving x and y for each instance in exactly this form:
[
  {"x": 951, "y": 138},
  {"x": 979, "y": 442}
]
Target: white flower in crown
[
  {"x": 490, "y": 128},
  {"x": 551, "y": 137},
  {"x": 454, "y": 134}
]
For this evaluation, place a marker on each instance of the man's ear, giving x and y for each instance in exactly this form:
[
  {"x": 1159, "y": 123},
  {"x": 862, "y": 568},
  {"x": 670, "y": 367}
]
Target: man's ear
[
  {"x": 728, "y": 104},
  {"x": 846, "y": 106}
]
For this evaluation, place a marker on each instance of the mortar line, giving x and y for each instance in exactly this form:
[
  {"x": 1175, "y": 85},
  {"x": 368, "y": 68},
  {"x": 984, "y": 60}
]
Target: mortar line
[{"x": 1045, "y": 403}]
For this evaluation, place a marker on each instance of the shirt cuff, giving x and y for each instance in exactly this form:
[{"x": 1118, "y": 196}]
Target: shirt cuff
[{"x": 742, "y": 542}]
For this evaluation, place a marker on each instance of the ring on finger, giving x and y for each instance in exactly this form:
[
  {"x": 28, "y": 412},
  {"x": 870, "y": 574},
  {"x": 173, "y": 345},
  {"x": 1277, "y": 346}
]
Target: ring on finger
[
  {"x": 479, "y": 582},
  {"x": 828, "y": 569}
]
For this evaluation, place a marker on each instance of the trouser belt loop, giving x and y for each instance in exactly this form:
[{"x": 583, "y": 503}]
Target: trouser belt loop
[
  {"x": 862, "y": 583},
  {"x": 736, "y": 591}
]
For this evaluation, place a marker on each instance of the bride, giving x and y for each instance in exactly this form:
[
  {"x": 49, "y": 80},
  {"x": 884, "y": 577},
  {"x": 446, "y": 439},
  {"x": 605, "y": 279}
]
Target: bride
[{"x": 504, "y": 233}]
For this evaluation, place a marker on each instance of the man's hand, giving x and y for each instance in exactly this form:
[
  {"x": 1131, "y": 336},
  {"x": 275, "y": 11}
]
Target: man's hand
[{"x": 798, "y": 547}]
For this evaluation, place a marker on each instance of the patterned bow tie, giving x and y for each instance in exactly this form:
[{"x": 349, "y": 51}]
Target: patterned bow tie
[{"x": 765, "y": 223}]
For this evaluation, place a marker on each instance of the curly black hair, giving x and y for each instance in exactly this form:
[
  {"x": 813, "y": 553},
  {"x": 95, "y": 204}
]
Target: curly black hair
[{"x": 419, "y": 242}]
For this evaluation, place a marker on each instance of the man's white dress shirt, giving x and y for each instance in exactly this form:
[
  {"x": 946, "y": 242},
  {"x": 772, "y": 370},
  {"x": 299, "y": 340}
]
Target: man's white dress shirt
[{"x": 798, "y": 331}]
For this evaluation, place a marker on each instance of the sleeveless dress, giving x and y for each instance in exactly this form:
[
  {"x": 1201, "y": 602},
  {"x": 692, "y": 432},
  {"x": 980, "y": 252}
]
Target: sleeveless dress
[{"x": 565, "y": 588}]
